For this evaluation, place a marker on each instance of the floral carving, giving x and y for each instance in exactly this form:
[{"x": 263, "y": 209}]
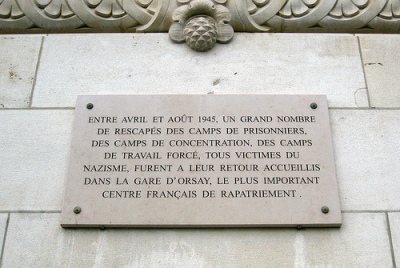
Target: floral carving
[
  {"x": 55, "y": 8},
  {"x": 51, "y": 15},
  {"x": 391, "y": 10},
  {"x": 9, "y": 9},
  {"x": 106, "y": 8},
  {"x": 215, "y": 19},
  {"x": 300, "y": 15},
  {"x": 145, "y": 12},
  {"x": 297, "y": 8},
  {"x": 215, "y": 1},
  {"x": 348, "y": 8},
  {"x": 260, "y": 3},
  {"x": 388, "y": 18},
  {"x": 350, "y": 16},
  {"x": 149, "y": 5},
  {"x": 253, "y": 5}
]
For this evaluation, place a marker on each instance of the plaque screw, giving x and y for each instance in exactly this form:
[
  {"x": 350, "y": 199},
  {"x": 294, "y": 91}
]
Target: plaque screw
[
  {"x": 77, "y": 210},
  {"x": 89, "y": 106},
  {"x": 313, "y": 105},
  {"x": 325, "y": 210}
]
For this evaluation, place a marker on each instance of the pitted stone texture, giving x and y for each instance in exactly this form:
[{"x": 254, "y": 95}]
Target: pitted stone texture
[
  {"x": 394, "y": 219},
  {"x": 152, "y": 64},
  {"x": 37, "y": 238},
  {"x": 18, "y": 60},
  {"x": 3, "y": 224},
  {"x": 366, "y": 145},
  {"x": 34, "y": 149},
  {"x": 382, "y": 64}
]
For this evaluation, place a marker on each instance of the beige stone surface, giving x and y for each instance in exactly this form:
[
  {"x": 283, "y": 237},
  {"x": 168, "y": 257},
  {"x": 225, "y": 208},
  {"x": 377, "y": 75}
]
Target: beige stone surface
[
  {"x": 38, "y": 239},
  {"x": 3, "y": 224},
  {"x": 366, "y": 146},
  {"x": 381, "y": 63},
  {"x": 18, "y": 60},
  {"x": 34, "y": 148},
  {"x": 152, "y": 64},
  {"x": 394, "y": 219}
]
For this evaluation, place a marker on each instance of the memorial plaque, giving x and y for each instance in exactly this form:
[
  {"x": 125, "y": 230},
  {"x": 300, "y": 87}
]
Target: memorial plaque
[{"x": 201, "y": 161}]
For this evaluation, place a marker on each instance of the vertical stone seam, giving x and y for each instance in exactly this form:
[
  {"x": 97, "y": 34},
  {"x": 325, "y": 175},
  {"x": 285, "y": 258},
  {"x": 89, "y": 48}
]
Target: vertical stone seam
[
  {"x": 390, "y": 239},
  {"x": 36, "y": 72},
  {"x": 363, "y": 69},
  {"x": 4, "y": 240}
]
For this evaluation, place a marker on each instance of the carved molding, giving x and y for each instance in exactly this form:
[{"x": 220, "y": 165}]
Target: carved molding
[{"x": 348, "y": 16}]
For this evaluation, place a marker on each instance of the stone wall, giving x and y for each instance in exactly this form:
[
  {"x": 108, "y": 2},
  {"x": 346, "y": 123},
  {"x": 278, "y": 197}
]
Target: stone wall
[{"x": 41, "y": 75}]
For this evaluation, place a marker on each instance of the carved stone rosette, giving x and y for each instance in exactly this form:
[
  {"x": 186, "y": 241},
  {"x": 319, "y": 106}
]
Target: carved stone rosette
[{"x": 201, "y": 23}]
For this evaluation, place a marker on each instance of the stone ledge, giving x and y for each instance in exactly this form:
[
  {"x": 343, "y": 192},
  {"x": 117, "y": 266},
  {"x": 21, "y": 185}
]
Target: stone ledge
[{"x": 38, "y": 239}]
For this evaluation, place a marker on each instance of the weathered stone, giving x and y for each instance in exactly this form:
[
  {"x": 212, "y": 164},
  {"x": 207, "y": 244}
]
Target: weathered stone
[
  {"x": 18, "y": 60},
  {"x": 381, "y": 69},
  {"x": 34, "y": 149},
  {"x": 37, "y": 238},
  {"x": 267, "y": 64},
  {"x": 366, "y": 146}
]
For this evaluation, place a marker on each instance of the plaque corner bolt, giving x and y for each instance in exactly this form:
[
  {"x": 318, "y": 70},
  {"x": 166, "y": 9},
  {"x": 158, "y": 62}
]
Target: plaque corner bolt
[
  {"x": 89, "y": 106},
  {"x": 314, "y": 106},
  {"x": 77, "y": 210},
  {"x": 325, "y": 210}
]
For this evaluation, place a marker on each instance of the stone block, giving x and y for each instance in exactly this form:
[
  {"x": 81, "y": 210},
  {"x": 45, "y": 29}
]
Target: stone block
[
  {"x": 152, "y": 64},
  {"x": 366, "y": 146},
  {"x": 34, "y": 147},
  {"x": 38, "y": 239},
  {"x": 394, "y": 219},
  {"x": 381, "y": 63},
  {"x": 18, "y": 60}
]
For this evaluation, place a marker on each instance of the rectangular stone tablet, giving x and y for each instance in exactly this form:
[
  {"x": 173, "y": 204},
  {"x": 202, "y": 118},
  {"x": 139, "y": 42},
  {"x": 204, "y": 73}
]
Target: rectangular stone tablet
[{"x": 201, "y": 161}]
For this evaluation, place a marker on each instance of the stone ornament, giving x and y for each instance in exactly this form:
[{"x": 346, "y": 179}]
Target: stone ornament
[
  {"x": 201, "y": 23},
  {"x": 317, "y": 16},
  {"x": 200, "y": 33}
]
